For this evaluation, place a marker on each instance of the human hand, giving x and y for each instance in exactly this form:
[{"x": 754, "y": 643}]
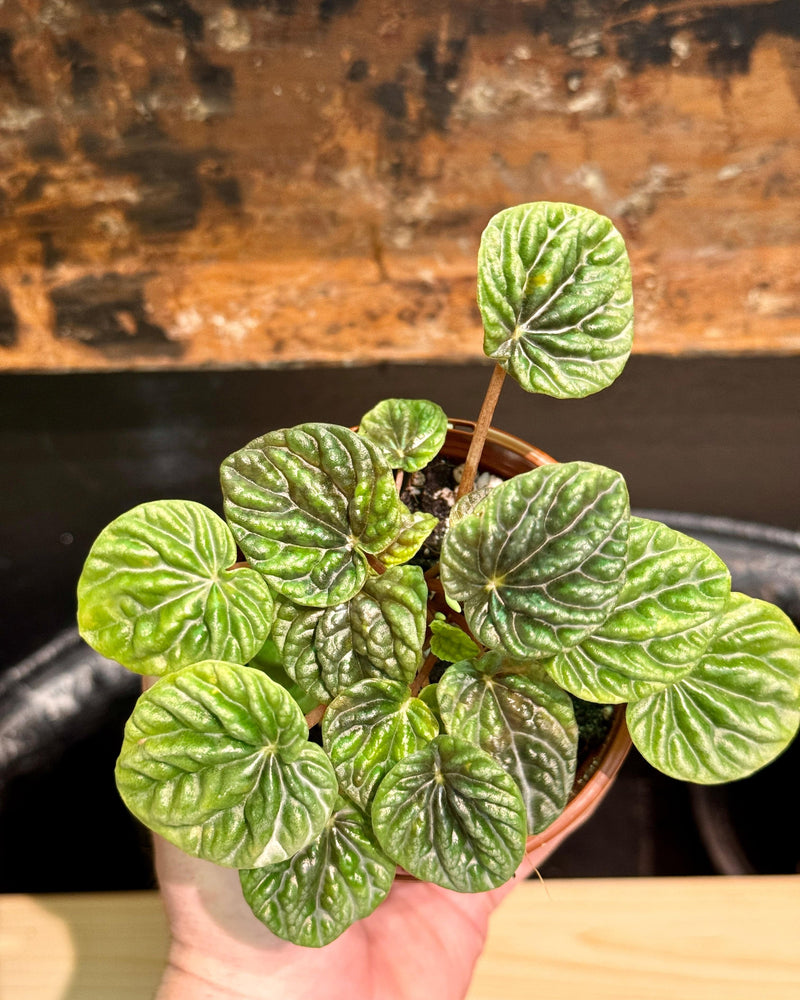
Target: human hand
[{"x": 422, "y": 941}]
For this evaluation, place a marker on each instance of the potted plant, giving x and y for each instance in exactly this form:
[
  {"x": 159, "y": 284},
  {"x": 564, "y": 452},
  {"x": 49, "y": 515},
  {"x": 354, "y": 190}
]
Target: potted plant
[{"x": 439, "y": 655}]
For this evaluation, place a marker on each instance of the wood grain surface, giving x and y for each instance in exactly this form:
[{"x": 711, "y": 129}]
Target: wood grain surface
[
  {"x": 305, "y": 181},
  {"x": 609, "y": 939}
]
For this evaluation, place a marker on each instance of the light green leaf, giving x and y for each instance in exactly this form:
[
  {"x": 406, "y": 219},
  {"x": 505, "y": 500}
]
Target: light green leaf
[
  {"x": 158, "y": 591},
  {"x": 339, "y": 878},
  {"x": 450, "y": 643},
  {"x": 269, "y": 660},
  {"x": 540, "y": 563},
  {"x": 369, "y": 728},
  {"x": 675, "y": 590},
  {"x": 409, "y": 432},
  {"x": 554, "y": 290},
  {"x": 416, "y": 528},
  {"x": 739, "y": 707},
  {"x": 305, "y": 504},
  {"x": 450, "y": 814},
  {"x": 216, "y": 760},
  {"x": 524, "y": 720},
  {"x": 379, "y": 632}
]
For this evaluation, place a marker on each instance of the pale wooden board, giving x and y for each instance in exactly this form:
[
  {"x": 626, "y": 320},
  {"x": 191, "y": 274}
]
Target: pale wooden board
[{"x": 634, "y": 939}]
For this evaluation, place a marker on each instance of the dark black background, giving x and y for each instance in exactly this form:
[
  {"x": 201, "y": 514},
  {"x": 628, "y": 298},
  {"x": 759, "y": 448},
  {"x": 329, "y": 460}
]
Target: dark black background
[{"x": 717, "y": 436}]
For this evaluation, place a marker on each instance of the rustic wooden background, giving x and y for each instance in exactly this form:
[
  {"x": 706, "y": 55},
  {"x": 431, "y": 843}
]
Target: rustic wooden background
[{"x": 187, "y": 183}]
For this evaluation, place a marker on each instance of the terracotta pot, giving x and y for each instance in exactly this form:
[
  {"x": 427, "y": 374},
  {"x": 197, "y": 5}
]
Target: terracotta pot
[{"x": 506, "y": 455}]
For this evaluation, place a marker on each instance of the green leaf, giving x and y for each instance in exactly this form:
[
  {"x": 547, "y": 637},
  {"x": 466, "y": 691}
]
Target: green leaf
[
  {"x": 468, "y": 504},
  {"x": 540, "y": 563},
  {"x": 450, "y": 643},
  {"x": 675, "y": 591},
  {"x": 306, "y": 504},
  {"x": 268, "y": 660},
  {"x": 739, "y": 707},
  {"x": 158, "y": 591},
  {"x": 216, "y": 759},
  {"x": 417, "y": 525},
  {"x": 379, "y": 632},
  {"x": 339, "y": 878},
  {"x": 451, "y": 815},
  {"x": 555, "y": 294},
  {"x": 409, "y": 432},
  {"x": 429, "y": 697},
  {"x": 369, "y": 728},
  {"x": 524, "y": 721}
]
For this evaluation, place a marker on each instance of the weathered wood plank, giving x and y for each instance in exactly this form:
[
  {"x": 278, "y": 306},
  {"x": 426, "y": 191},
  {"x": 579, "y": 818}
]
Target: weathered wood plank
[{"x": 292, "y": 182}]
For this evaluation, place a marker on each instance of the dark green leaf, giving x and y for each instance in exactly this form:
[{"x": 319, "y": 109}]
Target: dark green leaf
[
  {"x": 554, "y": 289},
  {"x": 409, "y": 432},
  {"x": 159, "y": 591},
  {"x": 305, "y": 504},
  {"x": 216, "y": 760},
  {"x": 739, "y": 707},
  {"x": 525, "y": 721},
  {"x": 540, "y": 562},
  {"x": 379, "y": 632},
  {"x": 313, "y": 897},
  {"x": 675, "y": 590},
  {"x": 450, "y": 814},
  {"x": 369, "y": 728}
]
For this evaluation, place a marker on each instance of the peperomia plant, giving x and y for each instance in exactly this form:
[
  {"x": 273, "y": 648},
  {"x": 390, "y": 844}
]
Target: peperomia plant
[{"x": 437, "y": 680}]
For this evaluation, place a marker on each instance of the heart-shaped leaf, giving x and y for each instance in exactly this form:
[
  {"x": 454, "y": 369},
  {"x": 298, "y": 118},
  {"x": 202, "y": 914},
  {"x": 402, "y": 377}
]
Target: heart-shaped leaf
[
  {"x": 450, "y": 643},
  {"x": 417, "y": 525},
  {"x": 450, "y": 814},
  {"x": 675, "y": 590},
  {"x": 268, "y": 660},
  {"x": 158, "y": 591},
  {"x": 369, "y": 728},
  {"x": 409, "y": 432},
  {"x": 339, "y": 878},
  {"x": 305, "y": 504},
  {"x": 216, "y": 760},
  {"x": 739, "y": 707},
  {"x": 554, "y": 290},
  {"x": 540, "y": 562},
  {"x": 379, "y": 632},
  {"x": 525, "y": 721}
]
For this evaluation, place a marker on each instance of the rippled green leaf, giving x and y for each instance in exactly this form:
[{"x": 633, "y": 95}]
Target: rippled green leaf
[
  {"x": 369, "y": 728},
  {"x": 158, "y": 591},
  {"x": 554, "y": 289},
  {"x": 216, "y": 759},
  {"x": 739, "y": 707},
  {"x": 305, "y": 504},
  {"x": 541, "y": 561},
  {"x": 675, "y": 590},
  {"x": 450, "y": 814},
  {"x": 313, "y": 897},
  {"x": 450, "y": 643},
  {"x": 269, "y": 660},
  {"x": 379, "y": 632},
  {"x": 524, "y": 720},
  {"x": 409, "y": 432}
]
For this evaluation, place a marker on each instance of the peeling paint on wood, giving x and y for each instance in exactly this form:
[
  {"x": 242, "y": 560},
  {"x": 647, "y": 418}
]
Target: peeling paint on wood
[{"x": 296, "y": 181}]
